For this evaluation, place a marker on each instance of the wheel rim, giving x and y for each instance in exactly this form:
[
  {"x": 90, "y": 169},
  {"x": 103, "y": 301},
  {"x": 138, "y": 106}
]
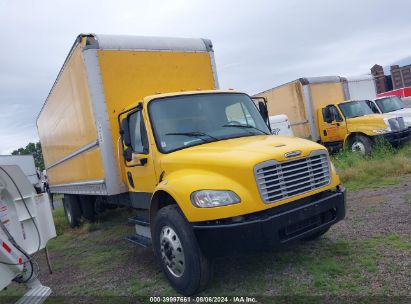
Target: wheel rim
[
  {"x": 358, "y": 146},
  {"x": 68, "y": 212},
  {"x": 172, "y": 252}
]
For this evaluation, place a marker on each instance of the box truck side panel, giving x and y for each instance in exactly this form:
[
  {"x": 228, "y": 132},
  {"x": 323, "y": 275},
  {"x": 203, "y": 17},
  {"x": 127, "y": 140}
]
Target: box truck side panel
[
  {"x": 361, "y": 88},
  {"x": 91, "y": 169},
  {"x": 323, "y": 94},
  {"x": 289, "y": 99},
  {"x": 67, "y": 127},
  {"x": 128, "y": 76}
]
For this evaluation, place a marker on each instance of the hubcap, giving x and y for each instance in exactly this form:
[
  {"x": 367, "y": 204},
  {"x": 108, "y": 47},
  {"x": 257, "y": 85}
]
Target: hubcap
[
  {"x": 68, "y": 214},
  {"x": 358, "y": 147},
  {"x": 172, "y": 252}
]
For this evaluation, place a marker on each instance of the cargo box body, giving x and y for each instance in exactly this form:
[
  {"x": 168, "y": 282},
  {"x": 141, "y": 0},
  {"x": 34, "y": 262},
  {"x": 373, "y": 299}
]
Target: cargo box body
[
  {"x": 300, "y": 100},
  {"x": 361, "y": 87},
  {"x": 101, "y": 76}
]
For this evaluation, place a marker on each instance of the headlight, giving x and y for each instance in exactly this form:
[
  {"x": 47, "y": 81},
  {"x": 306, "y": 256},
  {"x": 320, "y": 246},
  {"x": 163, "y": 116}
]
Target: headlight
[
  {"x": 382, "y": 131},
  {"x": 213, "y": 198}
]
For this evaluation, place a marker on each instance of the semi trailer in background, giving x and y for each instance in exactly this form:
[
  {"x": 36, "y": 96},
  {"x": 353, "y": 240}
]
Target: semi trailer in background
[
  {"x": 402, "y": 93},
  {"x": 26, "y": 225},
  {"x": 140, "y": 122},
  {"x": 321, "y": 109},
  {"x": 359, "y": 87}
]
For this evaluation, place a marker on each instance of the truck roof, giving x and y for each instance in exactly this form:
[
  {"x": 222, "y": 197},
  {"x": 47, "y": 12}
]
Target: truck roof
[{"x": 309, "y": 80}]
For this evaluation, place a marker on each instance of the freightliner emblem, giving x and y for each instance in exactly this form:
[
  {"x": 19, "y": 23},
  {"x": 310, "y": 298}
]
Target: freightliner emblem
[{"x": 292, "y": 154}]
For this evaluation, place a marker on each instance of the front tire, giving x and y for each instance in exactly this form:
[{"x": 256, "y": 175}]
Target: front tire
[
  {"x": 361, "y": 144},
  {"x": 72, "y": 210},
  {"x": 178, "y": 252}
]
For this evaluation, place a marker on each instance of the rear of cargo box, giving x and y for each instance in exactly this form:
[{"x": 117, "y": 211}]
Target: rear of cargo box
[
  {"x": 288, "y": 99},
  {"x": 102, "y": 76},
  {"x": 301, "y": 99}
]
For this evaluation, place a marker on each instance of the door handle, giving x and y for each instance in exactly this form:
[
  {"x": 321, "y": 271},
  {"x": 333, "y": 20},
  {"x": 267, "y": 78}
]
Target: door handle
[
  {"x": 325, "y": 133},
  {"x": 130, "y": 179}
]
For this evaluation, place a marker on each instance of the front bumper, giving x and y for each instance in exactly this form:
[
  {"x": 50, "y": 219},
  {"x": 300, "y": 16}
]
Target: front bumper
[
  {"x": 399, "y": 137},
  {"x": 274, "y": 227}
]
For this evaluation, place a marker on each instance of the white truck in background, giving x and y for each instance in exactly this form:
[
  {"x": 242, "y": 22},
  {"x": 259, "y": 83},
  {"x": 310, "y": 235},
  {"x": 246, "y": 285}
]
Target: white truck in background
[
  {"x": 27, "y": 165},
  {"x": 391, "y": 106},
  {"x": 280, "y": 125},
  {"x": 26, "y": 225}
]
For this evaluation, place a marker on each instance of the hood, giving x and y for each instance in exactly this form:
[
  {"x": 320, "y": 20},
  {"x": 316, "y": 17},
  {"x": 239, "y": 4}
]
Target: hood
[
  {"x": 244, "y": 152},
  {"x": 366, "y": 122},
  {"x": 405, "y": 113}
]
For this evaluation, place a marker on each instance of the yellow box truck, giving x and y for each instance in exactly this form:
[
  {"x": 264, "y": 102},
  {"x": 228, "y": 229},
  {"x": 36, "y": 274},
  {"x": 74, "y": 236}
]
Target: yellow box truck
[
  {"x": 140, "y": 122},
  {"x": 319, "y": 109}
]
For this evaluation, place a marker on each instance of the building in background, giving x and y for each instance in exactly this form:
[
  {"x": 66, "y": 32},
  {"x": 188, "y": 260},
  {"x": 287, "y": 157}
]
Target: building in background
[
  {"x": 383, "y": 83},
  {"x": 401, "y": 76}
]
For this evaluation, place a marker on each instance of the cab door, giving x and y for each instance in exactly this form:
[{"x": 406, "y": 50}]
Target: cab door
[
  {"x": 332, "y": 125},
  {"x": 138, "y": 159}
]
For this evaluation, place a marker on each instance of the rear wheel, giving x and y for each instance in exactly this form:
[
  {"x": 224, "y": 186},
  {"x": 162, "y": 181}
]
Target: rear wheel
[
  {"x": 88, "y": 207},
  {"x": 72, "y": 210},
  {"x": 177, "y": 250},
  {"x": 361, "y": 144}
]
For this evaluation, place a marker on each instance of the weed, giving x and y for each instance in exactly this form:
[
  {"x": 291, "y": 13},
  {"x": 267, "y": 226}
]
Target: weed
[{"x": 383, "y": 167}]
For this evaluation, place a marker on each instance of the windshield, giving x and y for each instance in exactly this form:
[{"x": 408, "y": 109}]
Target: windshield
[
  {"x": 356, "y": 108},
  {"x": 183, "y": 121},
  {"x": 389, "y": 104}
]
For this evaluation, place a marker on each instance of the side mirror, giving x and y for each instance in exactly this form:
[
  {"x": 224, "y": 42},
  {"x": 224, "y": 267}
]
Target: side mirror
[
  {"x": 128, "y": 154},
  {"x": 262, "y": 107},
  {"x": 125, "y": 132}
]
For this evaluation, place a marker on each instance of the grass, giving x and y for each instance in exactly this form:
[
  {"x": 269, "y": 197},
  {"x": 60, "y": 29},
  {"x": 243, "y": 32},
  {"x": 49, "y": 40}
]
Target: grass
[
  {"x": 104, "y": 264},
  {"x": 383, "y": 167},
  {"x": 98, "y": 262}
]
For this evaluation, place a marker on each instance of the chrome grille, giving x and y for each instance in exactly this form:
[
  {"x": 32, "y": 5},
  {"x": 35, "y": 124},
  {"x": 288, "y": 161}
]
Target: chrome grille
[
  {"x": 397, "y": 123},
  {"x": 280, "y": 180}
]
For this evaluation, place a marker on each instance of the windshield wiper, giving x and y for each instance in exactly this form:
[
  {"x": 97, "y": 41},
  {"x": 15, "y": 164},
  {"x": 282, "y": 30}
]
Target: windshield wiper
[
  {"x": 196, "y": 134},
  {"x": 245, "y": 127}
]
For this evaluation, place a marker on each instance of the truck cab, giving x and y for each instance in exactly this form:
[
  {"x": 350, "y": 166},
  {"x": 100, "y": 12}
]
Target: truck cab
[
  {"x": 391, "y": 106},
  {"x": 354, "y": 124},
  {"x": 193, "y": 162}
]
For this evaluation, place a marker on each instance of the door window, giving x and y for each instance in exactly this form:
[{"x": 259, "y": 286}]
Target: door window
[
  {"x": 138, "y": 133},
  {"x": 331, "y": 114}
]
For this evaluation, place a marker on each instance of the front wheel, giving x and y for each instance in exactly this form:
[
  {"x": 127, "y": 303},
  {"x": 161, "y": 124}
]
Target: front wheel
[
  {"x": 361, "y": 144},
  {"x": 178, "y": 252}
]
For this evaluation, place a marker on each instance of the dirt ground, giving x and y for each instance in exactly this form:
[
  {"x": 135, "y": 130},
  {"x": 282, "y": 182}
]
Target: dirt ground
[{"x": 367, "y": 254}]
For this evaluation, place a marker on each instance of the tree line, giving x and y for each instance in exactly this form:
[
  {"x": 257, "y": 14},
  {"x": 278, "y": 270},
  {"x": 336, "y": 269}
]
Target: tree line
[{"x": 32, "y": 149}]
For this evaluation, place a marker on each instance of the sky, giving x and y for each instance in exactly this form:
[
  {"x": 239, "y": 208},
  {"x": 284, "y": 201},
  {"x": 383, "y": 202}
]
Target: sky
[{"x": 258, "y": 44}]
